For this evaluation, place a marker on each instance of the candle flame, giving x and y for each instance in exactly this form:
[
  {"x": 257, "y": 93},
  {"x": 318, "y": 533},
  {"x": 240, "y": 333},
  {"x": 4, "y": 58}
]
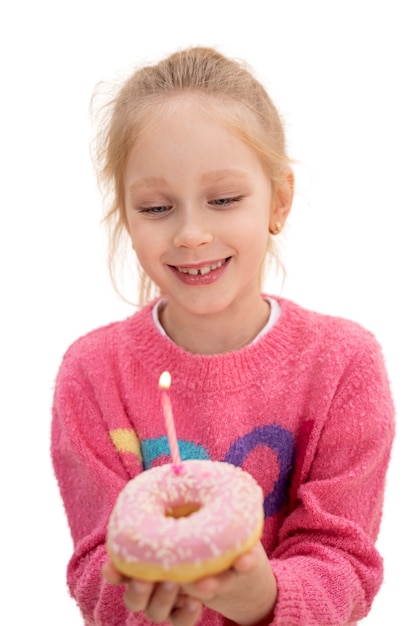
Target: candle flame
[{"x": 165, "y": 380}]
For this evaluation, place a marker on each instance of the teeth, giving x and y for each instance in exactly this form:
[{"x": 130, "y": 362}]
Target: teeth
[{"x": 202, "y": 271}]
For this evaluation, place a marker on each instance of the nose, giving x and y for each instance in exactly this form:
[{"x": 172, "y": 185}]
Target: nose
[{"x": 192, "y": 229}]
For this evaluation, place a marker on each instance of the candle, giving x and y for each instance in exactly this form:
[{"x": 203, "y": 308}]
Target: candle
[{"x": 164, "y": 385}]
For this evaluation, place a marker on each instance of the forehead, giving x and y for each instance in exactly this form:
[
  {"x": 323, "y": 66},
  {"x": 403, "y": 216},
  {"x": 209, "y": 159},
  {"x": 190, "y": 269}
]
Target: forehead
[
  {"x": 184, "y": 142},
  {"x": 235, "y": 117},
  {"x": 172, "y": 125},
  {"x": 189, "y": 118},
  {"x": 172, "y": 111}
]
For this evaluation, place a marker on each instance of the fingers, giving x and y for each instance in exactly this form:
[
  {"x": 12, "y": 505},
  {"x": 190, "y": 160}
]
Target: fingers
[
  {"x": 156, "y": 600},
  {"x": 249, "y": 560},
  {"x": 166, "y": 601},
  {"x": 112, "y": 575},
  {"x": 186, "y": 612},
  {"x": 207, "y": 588},
  {"x": 159, "y": 601},
  {"x": 138, "y": 594}
]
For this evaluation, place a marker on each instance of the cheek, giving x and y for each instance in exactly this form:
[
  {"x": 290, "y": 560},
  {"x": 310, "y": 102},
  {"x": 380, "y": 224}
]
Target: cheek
[
  {"x": 143, "y": 234},
  {"x": 145, "y": 248},
  {"x": 149, "y": 264},
  {"x": 254, "y": 234},
  {"x": 143, "y": 245}
]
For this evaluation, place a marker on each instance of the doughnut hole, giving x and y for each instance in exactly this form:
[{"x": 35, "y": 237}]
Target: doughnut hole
[{"x": 182, "y": 510}]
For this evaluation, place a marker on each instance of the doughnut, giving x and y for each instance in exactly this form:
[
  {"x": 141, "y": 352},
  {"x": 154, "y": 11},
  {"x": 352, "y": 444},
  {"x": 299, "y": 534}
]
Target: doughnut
[{"x": 185, "y": 524}]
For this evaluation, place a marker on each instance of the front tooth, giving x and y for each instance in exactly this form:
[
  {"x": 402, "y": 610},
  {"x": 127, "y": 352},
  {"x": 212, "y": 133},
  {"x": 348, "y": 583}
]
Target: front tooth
[{"x": 202, "y": 271}]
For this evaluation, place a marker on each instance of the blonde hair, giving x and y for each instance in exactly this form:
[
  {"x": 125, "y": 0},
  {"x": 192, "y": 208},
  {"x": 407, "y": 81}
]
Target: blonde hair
[{"x": 246, "y": 110}]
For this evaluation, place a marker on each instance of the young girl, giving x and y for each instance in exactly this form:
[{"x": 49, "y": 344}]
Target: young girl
[{"x": 194, "y": 155}]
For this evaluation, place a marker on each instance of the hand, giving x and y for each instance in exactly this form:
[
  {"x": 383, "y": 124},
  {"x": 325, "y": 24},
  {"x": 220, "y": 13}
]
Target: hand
[
  {"x": 246, "y": 593},
  {"x": 159, "y": 601}
]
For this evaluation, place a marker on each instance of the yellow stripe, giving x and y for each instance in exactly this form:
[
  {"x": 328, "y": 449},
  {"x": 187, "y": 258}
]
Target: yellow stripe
[{"x": 126, "y": 440}]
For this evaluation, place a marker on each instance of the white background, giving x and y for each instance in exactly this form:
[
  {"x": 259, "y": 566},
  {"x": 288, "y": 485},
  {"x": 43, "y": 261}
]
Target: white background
[{"x": 344, "y": 77}]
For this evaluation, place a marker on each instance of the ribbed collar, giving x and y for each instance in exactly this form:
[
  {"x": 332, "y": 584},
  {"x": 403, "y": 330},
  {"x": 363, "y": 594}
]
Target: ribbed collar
[{"x": 207, "y": 373}]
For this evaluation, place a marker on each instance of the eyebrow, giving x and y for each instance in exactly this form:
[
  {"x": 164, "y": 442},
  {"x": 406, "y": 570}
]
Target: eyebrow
[
  {"x": 219, "y": 175},
  {"x": 214, "y": 176},
  {"x": 148, "y": 181}
]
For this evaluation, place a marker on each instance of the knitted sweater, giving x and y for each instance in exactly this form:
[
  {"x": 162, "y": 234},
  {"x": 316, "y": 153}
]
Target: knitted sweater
[{"x": 306, "y": 410}]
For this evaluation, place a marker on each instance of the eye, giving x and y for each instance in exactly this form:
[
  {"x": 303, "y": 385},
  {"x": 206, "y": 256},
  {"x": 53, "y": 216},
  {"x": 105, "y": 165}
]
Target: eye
[
  {"x": 225, "y": 202},
  {"x": 154, "y": 211}
]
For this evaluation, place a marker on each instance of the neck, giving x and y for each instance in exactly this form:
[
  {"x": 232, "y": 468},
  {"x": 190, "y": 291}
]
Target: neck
[{"x": 215, "y": 334}]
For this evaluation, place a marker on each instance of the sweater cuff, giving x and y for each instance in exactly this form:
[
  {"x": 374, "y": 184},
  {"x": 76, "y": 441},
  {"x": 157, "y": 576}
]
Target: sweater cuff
[
  {"x": 290, "y": 595},
  {"x": 302, "y": 599}
]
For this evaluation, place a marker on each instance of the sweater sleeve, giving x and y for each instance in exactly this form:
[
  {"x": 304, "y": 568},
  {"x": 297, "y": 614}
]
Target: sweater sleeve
[
  {"x": 90, "y": 475},
  {"x": 326, "y": 564}
]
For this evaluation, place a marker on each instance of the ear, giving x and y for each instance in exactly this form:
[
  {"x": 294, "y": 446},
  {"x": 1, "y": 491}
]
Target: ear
[{"x": 282, "y": 199}]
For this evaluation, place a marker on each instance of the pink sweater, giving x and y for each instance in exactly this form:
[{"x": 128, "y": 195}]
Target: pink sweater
[{"x": 306, "y": 410}]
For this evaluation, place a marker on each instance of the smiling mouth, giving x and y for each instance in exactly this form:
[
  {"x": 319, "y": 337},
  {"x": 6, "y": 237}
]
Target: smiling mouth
[{"x": 202, "y": 271}]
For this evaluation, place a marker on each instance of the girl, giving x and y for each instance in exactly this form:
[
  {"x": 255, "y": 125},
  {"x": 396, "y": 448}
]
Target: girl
[{"x": 193, "y": 153}]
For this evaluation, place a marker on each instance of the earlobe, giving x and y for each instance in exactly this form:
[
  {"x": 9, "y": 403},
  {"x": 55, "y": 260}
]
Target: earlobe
[
  {"x": 282, "y": 201},
  {"x": 276, "y": 228}
]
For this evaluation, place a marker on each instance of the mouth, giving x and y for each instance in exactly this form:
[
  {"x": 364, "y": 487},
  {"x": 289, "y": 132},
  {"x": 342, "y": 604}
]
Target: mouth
[{"x": 203, "y": 270}]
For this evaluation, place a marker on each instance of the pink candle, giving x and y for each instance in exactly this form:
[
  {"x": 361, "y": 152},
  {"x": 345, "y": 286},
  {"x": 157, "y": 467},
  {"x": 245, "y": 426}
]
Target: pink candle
[{"x": 164, "y": 385}]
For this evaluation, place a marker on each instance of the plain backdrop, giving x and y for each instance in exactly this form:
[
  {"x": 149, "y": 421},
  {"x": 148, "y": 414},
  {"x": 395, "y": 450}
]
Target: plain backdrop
[{"x": 343, "y": 75}]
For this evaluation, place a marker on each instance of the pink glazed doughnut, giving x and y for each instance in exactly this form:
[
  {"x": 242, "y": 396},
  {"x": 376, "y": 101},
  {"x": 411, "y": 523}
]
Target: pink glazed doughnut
[{"x": 182, "y": 525}]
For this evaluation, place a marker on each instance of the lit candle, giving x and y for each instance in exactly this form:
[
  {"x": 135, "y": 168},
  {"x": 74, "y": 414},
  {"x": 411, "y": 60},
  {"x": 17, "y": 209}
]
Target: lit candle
[{"x": 164, "y": 385}]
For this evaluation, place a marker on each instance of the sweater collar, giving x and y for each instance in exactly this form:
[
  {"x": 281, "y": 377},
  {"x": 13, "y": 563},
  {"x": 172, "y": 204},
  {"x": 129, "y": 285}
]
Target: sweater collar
[{"x": 206, "y": 373}]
